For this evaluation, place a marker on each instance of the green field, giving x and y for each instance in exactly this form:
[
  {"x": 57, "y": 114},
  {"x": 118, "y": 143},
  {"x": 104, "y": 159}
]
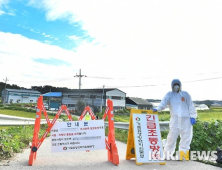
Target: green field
[
  {"x": 214, "y": 113},
  {"x": 206, "y": 115},
  {"x": 22, "y": 114},
  {"x": 25, "y": 114}
]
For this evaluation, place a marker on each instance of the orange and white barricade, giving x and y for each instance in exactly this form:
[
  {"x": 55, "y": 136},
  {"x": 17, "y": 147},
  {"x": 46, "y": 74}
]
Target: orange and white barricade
[{"x": 110, "y": 142}]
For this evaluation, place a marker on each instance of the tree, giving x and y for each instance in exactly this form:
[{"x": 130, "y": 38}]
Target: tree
[
  {"x": 80, "y": 106},
  {"x": 94, "y": 109}
]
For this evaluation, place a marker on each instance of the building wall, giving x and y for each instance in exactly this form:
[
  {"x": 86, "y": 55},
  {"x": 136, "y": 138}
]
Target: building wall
[
  {"x": 145, "y": 107},
  {"x": 94, "y": 98},
  {"x": 118, "y": 98},
  {"x": 14, "y": 99},
  {"x": 4, "y": 96},
  {"x": 129, "y": 106},
  {"x": 20, "y": 97},
  {"x": 70, "y": 99}
]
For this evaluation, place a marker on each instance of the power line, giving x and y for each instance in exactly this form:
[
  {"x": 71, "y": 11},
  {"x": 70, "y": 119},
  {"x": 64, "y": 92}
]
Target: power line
[
  {"x": 99, "y": 77},
  {"x": 96, "y": 77},
  {"x": 203, "y": 79},
  {"x": 63, "y": 79},
  {"x": 165, "y": 84}
]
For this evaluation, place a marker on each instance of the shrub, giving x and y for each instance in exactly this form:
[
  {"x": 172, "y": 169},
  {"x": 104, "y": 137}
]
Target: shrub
[
  {"x": 80, "y": 106},
  {"x": 15, "y": 138},
  {"x": 207, "y": 136}
]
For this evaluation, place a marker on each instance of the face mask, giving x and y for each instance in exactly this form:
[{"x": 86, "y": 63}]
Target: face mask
[{"x": 176, "y": 88}]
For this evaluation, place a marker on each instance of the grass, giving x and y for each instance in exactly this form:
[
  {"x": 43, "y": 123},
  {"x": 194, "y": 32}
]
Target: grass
[
  {"x": 23, "y": 104},
  {"x": 22, "y": 114},
  {"x": 15, "y": 138},
  {"x": 214, "y": 113},
  {"x": 203, "y": 115},
  {"x": 26, "y": 114},
  {"x": 122, "y": 118}
]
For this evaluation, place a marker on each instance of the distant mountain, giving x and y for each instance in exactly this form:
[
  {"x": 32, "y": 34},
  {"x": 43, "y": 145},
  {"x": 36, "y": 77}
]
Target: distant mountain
[
  {"x": 207, "y": 102},
  {"x": 153, "y": 100},
  {"x": 41, "y": 89},
  {"x": 2, "y": 87}
]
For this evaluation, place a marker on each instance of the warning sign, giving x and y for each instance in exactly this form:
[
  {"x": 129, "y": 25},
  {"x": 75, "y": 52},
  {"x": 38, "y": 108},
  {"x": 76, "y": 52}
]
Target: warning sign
[
  {"x": 148, "y": 145},
  {"x": 144, "y": 138},
  {"x": 78, "y": 136}
]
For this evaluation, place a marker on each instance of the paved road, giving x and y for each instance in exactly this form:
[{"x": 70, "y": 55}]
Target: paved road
[
  {"x": 6, "y": 120},
  {"x": 93, "y": 160}
]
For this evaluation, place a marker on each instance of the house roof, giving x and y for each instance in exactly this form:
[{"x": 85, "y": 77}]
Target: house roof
[
  {"x": 53, "y": 94},
  {"x": 138, "y": 101},
  {"x": 23, "y": 91},
  {"x": 93, "y": 90}
]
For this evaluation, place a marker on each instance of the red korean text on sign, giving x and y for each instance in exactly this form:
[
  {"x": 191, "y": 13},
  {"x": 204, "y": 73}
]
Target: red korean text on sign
[{"x": 152, "y": 136}]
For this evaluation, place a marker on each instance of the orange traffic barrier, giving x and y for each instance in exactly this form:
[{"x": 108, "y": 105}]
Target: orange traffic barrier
[
  {"x": 87, "y": 109},
  {"x": 110, "y": 143},
  {"x": 36, "y": 143}
]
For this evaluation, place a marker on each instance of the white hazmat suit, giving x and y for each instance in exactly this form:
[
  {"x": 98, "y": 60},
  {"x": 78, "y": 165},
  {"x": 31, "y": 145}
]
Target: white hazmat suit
[{"x": 181, "y": 110}]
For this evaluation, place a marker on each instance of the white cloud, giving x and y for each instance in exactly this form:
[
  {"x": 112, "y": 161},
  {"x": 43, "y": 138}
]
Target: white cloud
[
  {"x": 8, "y": 11},
  {"x": 1, "y": 12},
  {"x": 45, "y": 35},
  {"x": 161, "y": 40},
  {"x": 17, "y": 54},
  {"x": 48, "y": 36},
  {"x": 48, "y": 42},
  {"x": 73, "y": 37},
  {"x": 2, "y": 3}
]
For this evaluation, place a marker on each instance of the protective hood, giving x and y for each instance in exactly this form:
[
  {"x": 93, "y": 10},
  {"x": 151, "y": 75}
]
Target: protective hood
[{"x": 176, "y": 81}]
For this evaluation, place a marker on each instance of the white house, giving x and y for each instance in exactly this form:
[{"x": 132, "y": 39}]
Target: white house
[
  {"x": 19, "y": 96},
  {"x": 96, "y": 97}
]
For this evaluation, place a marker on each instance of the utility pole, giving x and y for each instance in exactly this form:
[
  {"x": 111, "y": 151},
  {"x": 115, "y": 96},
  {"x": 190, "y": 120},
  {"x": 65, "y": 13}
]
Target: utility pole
[
  {"x": 79, "y": 80},
  {"x": 49, "y": 98},
  {"x": 92, "y": 98},
  {"x": 102, "y": 100},
  {"x": 5, "y": 89}
]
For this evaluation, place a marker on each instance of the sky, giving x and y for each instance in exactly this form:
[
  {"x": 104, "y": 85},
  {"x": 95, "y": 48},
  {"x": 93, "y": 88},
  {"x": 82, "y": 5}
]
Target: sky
[{"x": 137, "y": 46}]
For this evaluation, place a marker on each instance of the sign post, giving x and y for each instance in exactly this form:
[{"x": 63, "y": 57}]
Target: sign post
[{"x": 144, "y": 138}]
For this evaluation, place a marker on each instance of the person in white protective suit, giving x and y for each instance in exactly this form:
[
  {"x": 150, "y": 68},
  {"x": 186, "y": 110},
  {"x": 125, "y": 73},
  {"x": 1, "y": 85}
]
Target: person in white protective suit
[{"x": 183, "y": 116}]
